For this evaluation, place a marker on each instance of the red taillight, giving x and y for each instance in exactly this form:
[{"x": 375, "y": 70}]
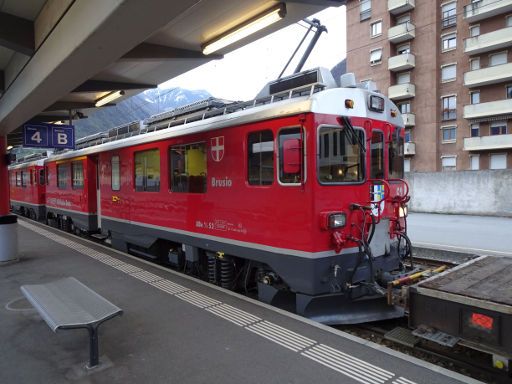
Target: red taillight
[{"x": 482, "y": 321}]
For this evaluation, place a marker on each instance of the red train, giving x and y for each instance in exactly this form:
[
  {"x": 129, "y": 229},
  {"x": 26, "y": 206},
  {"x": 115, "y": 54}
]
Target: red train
[{"x": 296, "y": 196}]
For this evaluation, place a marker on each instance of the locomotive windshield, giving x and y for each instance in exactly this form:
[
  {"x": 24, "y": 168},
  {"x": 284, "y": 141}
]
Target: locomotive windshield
[
  {"x": 340, "y": 156},
  {"x": 396, "y": 155}
]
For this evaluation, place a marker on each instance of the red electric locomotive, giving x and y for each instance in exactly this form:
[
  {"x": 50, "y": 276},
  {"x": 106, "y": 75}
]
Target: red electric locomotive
[
  {"x": 297, "y": 195},
  {"x": 27, "y": 188}
]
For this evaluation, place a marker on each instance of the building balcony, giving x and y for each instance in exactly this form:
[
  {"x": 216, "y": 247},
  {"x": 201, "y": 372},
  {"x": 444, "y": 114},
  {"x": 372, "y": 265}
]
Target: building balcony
[
  {"x": 491, "y": 41},
  {"x": 401, "y": 32},
  {"x": 401, "y": 91},
  {"x": 486, "y": 143},
  {"x": 401, "y": 62},
  {"x": 493, "y": 108},
  {"x": 490, "y": 75},
  {"x": 399, "y": 6},
  {"x": 409, "y": 149},
  {"x": 484, "y": 9},
  {"x": 409, "y": 119}
]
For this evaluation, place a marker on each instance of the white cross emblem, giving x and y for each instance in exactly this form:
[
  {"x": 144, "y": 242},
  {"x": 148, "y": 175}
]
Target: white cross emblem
[{"x": 217, "y": 148}]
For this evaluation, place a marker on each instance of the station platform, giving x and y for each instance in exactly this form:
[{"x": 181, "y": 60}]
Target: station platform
[{"x": 176, "y": 329}]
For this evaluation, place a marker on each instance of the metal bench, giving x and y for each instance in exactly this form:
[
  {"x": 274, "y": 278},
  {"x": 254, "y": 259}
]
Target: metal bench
[{"x": 69, "y": 304}]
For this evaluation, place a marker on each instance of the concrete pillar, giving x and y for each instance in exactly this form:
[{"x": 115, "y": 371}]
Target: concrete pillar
[{"x": 8, "y": 223}]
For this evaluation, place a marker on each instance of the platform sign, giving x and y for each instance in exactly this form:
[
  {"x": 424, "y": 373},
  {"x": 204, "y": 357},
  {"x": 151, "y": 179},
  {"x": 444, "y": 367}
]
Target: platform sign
[{"x": 49, "y": 136}]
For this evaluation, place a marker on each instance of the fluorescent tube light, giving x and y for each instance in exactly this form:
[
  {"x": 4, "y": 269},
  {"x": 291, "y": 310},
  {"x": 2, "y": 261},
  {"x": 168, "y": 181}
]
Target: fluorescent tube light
[
  {"x": 245, "y": 29},
  {"x": 109, "y": 97}
]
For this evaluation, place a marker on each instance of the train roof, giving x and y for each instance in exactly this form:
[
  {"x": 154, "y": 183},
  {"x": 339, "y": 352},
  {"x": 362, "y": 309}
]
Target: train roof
[{"x": 312, "y": 97}]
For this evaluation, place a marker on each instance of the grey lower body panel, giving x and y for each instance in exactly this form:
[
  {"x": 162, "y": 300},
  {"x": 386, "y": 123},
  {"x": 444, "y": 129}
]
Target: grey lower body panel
[
  {"x": 85, "y": 222},
  {"x": 38, "y": 209},
  {"x": 304, "y": 275}
]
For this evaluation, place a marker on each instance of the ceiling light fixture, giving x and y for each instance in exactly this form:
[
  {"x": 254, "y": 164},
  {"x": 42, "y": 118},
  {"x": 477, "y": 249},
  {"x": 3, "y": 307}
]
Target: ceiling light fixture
[
  {"x": 245, "y": 29},
  {"x": 108, "y": 98}
]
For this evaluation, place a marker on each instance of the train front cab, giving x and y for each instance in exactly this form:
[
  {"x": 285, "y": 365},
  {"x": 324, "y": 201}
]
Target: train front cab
[{"x": 27, "y": 190}]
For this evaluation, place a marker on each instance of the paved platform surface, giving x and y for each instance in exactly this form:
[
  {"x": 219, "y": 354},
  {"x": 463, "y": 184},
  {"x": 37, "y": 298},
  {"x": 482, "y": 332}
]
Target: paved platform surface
[
  {"x": 176, "y": 330},
  {"x": 479, "y": 235}
]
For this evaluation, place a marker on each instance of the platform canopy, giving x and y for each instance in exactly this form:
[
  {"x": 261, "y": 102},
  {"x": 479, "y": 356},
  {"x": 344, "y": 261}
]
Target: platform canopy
[{"x": 59, "y": 57}]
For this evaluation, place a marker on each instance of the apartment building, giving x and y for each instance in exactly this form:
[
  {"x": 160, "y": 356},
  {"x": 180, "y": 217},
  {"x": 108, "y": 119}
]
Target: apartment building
[{"x": 448, "y": 67}]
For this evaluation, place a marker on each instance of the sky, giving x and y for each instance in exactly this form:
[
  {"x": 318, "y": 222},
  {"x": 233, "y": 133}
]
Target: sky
[{"x": 245, "y": 65}]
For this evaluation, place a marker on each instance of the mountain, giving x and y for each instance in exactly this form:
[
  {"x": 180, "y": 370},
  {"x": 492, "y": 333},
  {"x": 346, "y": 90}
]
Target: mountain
[{"x": 137, "y": 107}]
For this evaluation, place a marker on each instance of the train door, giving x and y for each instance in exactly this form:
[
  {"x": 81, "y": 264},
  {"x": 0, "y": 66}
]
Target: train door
[{"x": 98, "y": 192}]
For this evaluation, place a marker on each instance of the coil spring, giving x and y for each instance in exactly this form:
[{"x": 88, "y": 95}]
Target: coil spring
[
  {"x": 212, "y": 269},
  {"x": 227, "y": 273}
]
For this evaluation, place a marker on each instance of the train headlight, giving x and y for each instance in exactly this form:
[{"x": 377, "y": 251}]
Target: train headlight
[
  {"x": 337, "y": 220},
  {"x": 403, "y": 211}
]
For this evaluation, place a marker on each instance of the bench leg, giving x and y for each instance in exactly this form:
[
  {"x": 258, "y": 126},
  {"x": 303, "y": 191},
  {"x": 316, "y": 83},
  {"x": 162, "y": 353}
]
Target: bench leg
[{"x": 93, "y": 346}]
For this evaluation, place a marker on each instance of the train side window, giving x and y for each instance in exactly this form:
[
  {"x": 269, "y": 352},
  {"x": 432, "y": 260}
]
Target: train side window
[
  {"x": 18, "y": 179},
  {"x": 291, "y": 152},
  {"x": 25, "y": 178},
  {"x": 377, "y": 155},
  {"x": 340, "y": 156},
  {"x": 78, "y": 174},
  {"x": 260, "y": 158},
  {"x": 42, "y": 177},
  {"x": 116, "y": 174},
  {"x": 396, "y": 155},
  {"x": 147, "y": 171},
  {"x": 62, "y": 175},
  {"x": 188, "y": 168}
]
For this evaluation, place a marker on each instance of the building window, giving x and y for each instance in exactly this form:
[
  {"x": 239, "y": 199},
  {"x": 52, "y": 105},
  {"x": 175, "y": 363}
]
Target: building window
[
  {"x": 403, "y": 19},
  {"x": 260, "y": 158},
  {"x": 474, "y": 64},
  {"x": 147, "y": 171},
  {"x": 449, "y": 41},
  {"x": 77, "y": 169},
  {"x": 376, "y": 56},
  {"x": 449, "y": 163},
  {"x": 509, "y": 91},
  {"x": 498, "y": 161},
  {"x": 474, "y": 162},
  {"x": 403, "y": 78},
  {"x": 405, "y": 107},
  {"x": 475, "y": 130},
  {"x": 449, "y": 134},
  {"x": 376, "y": 28},
  {"x": 474, "y": 97},
  {"x": 188, "y": 169},
  {"x": 498, "y": 128},
  {"x": 448, "y": 72},
  {"x": 62, "y": 175},
  {"x": 508, "y": 21},
  {"x": 498, "y": 59},
  {"x": 449, "y": 15},
  {"x": 407, "y": 165},
  {"x": 365, "y": 9},
  {"x": 474, "y": 31},
  {"x": 116, "y": 173},
  {"x": 449, "y": 107},
  {"x": 403, "y": 49}
]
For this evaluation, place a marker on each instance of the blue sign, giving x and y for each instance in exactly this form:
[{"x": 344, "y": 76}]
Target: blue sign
[
  {"x": 36, "y": 136},
  {"x": 49, "y": 136}
]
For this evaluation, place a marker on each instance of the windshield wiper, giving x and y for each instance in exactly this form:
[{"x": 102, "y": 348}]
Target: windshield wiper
[{"x": 355, "y": 136}]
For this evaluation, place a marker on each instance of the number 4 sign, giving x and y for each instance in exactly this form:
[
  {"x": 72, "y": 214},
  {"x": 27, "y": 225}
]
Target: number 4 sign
[{"x": 49, "y": 136}]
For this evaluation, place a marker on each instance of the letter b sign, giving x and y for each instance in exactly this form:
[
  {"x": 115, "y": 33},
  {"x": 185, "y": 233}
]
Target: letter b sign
[{"x": 63, "y": 137}]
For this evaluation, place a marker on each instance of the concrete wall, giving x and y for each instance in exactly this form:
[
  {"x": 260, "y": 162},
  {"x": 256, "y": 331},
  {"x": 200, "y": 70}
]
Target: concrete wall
[{"x": 487, "y": 192}]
